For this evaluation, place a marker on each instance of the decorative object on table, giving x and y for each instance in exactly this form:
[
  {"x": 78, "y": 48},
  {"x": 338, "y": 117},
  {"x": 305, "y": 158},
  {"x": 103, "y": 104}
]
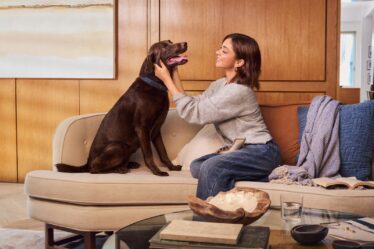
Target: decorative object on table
[
  {"x": 199, "y": 231},
  {"x": 359, "y": 230},
  {"x": 251, "y": 237},
  {"x": 239, "y": 205},
  {"x": 291, "y": 206},
  {"x": 345, "y": 244},
  {"x": 309, "y": 234},
  {"x": 349, "y": 244}
]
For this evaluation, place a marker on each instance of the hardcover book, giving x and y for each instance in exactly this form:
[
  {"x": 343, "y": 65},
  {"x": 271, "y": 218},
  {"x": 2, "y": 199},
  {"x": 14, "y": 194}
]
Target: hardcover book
[{"x": 251, "y": 237}]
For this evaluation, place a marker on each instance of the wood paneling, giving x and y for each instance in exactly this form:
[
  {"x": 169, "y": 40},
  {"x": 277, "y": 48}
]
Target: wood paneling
[
  {"x": 298, "y": 39},
  {"x": 269, "y": 86},
  {"x": 8, "y": 147},
  {"x": 41, "y": 105},
  {"x": 100, "y": 95},
  {"x": 348, "y": 95},
  {"x": 274, "y": 98},
  {"x": 290, "y": 33},
  {"x": 332, "y": 47}
]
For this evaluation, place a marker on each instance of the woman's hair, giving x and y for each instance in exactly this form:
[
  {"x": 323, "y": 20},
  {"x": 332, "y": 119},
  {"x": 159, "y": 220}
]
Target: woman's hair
[{"x": 246, "y": 48}]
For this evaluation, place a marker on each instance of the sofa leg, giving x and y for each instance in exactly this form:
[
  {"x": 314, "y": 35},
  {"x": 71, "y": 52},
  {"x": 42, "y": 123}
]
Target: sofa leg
[
  {"x": 89, "y": 240},
  {"x": 88, "y": 237}
]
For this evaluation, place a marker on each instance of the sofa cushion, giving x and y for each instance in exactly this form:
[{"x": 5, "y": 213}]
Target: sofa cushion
[
  {"x": 206, "y": 141},
  {"x": 282, "y": 123},
  {"x": 139, "y": 187},
  {"x": 356, "y": 133},
  {"x": 345, "y": 200}
]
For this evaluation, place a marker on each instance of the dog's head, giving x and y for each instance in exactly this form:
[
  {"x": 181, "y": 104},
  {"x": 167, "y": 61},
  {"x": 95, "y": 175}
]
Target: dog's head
[{"x": 167, "y": 52}]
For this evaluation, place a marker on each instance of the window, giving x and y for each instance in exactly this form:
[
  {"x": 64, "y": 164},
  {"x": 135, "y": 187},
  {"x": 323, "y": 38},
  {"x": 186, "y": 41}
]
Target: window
[{"x": 347, "y": 58}]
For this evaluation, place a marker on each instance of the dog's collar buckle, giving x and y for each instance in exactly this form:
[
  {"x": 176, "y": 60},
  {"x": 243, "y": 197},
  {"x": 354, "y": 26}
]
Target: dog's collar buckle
[{"x": 153, "y": 83}]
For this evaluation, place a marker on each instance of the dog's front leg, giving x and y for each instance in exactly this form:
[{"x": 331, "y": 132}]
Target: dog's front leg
[
  {"x": 160, "y": 147},
  {"x": 145, "y": 145}
]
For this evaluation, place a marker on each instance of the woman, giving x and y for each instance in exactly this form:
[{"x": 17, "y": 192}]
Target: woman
[{"x": 230, "y": 104}]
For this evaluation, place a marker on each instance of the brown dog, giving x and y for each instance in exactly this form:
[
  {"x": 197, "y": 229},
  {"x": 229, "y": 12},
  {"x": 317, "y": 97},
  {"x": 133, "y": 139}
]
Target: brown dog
[{"x": 135, "y": 120}]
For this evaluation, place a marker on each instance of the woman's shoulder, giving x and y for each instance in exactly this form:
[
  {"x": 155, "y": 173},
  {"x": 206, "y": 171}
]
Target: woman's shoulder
[{"x": 235, "y": 87}]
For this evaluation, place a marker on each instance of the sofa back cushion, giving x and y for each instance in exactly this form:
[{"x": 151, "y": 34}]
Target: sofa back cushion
[
  {"x": 356, "y": 134},
  {"x": 73, "y": 137},
  {"x": 282, "y": 122}
]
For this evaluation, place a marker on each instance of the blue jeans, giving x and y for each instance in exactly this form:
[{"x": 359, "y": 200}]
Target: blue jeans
[{"x": 216, "y": 172}]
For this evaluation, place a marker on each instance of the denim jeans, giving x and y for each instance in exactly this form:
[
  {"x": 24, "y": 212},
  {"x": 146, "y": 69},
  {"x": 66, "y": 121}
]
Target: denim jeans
[{"x": 219, "y": 172}]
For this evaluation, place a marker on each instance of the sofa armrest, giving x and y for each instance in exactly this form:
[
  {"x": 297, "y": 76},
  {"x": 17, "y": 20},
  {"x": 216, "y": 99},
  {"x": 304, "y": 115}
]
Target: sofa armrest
[{"x": 73, "y": 138}]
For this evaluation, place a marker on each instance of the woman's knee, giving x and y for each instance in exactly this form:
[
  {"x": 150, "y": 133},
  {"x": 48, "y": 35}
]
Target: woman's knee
[{"x": 195, "y": 168}]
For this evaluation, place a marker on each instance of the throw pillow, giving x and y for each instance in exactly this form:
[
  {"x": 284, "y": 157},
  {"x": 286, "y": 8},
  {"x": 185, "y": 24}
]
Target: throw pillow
[
  {"x": 281, "y": 120},
  {"x": 302, "y": 112},
  {"x": 357, "y": 139},
  {"x": 356, "y": 134},
  {"x": 206, "y": 141}
]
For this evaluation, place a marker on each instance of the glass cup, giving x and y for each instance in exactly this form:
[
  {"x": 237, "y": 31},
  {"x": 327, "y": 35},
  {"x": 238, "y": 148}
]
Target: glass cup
[{"x": 291, "y": 206}]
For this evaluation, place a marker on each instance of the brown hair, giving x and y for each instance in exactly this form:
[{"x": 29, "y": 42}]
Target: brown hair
[{"x": 246, "y": 48}]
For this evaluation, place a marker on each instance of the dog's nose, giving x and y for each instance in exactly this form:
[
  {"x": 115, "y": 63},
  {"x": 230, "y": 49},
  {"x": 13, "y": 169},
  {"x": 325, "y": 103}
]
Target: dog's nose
[{"x": 184, "y": 44}]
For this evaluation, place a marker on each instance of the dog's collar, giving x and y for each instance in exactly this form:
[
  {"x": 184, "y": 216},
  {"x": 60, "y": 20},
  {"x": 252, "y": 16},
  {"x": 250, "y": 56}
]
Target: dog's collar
[{"x": 154, "y": 82}]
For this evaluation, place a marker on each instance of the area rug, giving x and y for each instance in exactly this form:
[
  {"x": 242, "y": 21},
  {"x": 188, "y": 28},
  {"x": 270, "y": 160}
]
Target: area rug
[{"x": 26, "y": 239}]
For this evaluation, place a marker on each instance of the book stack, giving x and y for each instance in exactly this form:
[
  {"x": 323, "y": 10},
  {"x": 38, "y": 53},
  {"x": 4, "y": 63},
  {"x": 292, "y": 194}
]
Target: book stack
[{"x": 198, "y": 235}]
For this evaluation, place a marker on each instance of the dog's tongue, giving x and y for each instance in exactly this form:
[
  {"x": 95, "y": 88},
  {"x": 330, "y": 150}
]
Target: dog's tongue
[{"x": 177, "y": 60}]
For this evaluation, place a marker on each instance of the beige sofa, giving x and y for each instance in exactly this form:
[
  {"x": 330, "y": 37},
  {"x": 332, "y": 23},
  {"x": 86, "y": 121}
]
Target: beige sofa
[{"x": 90, "y": 203}]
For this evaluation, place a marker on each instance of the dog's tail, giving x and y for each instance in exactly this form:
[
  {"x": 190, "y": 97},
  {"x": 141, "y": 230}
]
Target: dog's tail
[{"x": 61, "y": 167}]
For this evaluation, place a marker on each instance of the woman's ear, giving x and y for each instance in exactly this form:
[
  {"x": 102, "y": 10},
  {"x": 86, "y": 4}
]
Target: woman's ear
[{"x": 239, "y": 63}]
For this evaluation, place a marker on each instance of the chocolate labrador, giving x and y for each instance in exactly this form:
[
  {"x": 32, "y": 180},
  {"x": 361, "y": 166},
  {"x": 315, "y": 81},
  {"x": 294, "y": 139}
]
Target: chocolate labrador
[{"x": 135, "y": 120}]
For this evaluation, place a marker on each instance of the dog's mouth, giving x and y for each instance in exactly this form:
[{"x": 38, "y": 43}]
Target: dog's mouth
[{"x": 177, "y": 60}]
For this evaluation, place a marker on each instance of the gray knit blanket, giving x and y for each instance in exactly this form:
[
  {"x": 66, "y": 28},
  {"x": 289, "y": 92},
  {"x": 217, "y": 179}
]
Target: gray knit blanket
[{"x": 319, "y": 150}]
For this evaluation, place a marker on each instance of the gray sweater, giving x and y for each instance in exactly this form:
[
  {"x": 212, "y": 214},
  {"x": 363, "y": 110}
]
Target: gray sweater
[{"x": 232, "y": 108}]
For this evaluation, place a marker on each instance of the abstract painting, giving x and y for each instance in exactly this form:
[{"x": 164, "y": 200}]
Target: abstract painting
[{"x": 57, "y": 39}]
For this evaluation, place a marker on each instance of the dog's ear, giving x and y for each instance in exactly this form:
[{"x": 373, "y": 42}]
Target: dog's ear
[{"x": 154, "y": 56}]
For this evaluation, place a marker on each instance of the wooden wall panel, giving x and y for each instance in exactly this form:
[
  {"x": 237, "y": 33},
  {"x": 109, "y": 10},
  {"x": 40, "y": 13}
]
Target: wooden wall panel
[
  {"x": 290, "y": 33},
  {"x": 298, "y": 39},
  {"x": 274, "y": 98},
  {"x": 41, "y": 105},
  {"x": 100, "y": 95},
  {"x": 348, "y": 95},
  {"x": 8, "y": 150}
]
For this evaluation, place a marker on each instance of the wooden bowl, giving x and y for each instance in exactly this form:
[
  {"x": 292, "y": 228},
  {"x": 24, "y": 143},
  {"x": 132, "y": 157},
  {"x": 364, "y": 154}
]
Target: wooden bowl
[{"x": 213, "y": 213}]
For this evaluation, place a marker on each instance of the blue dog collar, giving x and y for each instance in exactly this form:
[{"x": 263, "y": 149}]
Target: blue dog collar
[{"x": 154, "y": 83}]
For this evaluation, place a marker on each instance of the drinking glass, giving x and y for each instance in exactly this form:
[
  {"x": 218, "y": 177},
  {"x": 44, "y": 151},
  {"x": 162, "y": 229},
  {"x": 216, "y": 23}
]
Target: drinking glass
[{"x": 291, "y": 206}]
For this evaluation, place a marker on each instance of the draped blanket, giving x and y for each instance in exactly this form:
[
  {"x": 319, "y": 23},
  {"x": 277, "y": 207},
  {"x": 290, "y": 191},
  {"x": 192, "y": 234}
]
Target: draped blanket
[{"x": 319, "y": 150}]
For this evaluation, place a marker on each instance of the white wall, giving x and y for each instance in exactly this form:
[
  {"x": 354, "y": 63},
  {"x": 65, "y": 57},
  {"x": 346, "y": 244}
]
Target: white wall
[{"x": 359, "y": 17}]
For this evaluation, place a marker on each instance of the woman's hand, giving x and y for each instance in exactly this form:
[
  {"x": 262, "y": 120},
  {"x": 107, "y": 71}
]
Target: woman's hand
[{"x": 162, "y": 72}]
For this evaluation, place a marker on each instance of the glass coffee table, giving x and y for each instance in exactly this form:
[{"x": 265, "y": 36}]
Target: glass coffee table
[{"x": 137, "y": 235}]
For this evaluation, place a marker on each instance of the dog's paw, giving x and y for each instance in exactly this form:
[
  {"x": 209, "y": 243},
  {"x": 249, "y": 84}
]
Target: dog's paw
[
  {"x": 133, "y": 165},
  {"x": 162, "y": 173},
  {"x": 176, "y": 167}
]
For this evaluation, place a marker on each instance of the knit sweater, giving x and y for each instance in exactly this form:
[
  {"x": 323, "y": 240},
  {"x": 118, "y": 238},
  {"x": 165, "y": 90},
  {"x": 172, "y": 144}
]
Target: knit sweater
[{"x": 232, "y": 108}]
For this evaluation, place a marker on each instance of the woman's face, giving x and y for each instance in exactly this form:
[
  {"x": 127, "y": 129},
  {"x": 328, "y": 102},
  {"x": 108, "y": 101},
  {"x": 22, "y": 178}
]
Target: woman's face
[{"x": 226, "y": 58}]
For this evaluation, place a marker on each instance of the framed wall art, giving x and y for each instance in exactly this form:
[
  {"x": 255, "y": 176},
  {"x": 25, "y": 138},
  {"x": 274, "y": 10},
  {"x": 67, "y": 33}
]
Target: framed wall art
[{"x": 57, "y": 39}]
